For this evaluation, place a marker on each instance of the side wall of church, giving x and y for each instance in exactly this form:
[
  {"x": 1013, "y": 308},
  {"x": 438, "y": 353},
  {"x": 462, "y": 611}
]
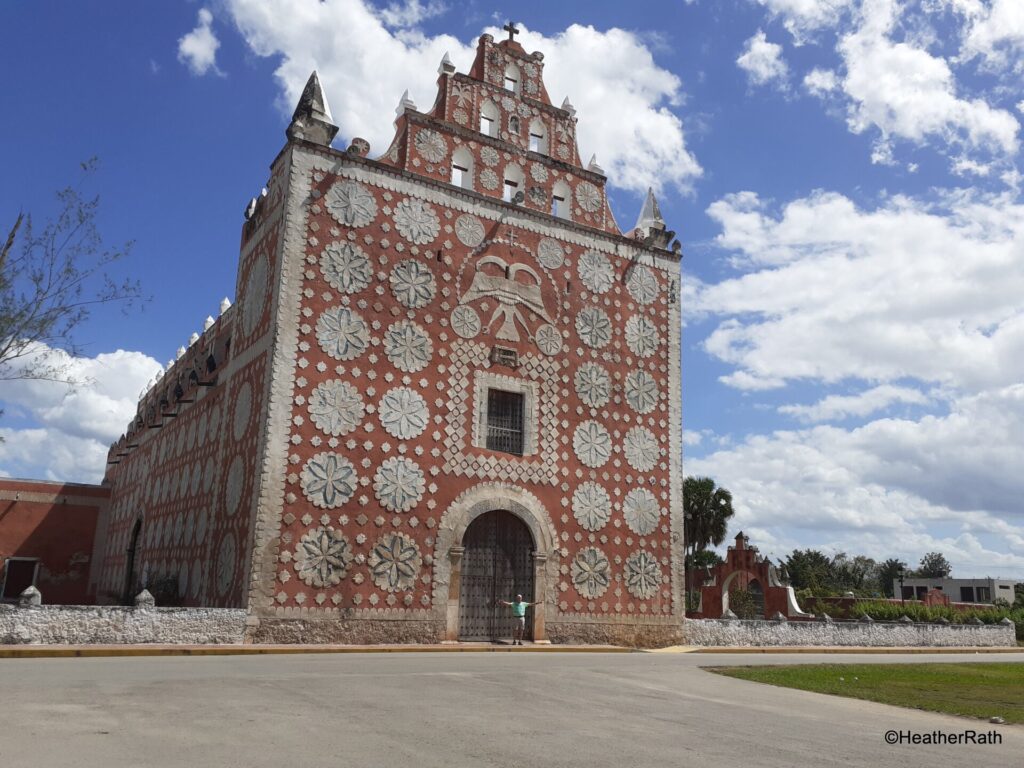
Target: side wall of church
[
  {"x": 394, "y": 290},
  {"x": 192, "y": 478}
]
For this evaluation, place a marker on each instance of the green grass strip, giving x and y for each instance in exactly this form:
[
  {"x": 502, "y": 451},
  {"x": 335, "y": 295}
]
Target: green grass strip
[{"x": 969, "y": 690}]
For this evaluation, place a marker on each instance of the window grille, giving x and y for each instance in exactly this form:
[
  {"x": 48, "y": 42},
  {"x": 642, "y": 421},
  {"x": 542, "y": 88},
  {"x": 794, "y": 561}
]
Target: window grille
[
  {"x": 504, "y": 356},
  {"x": 505, "y": 421}
]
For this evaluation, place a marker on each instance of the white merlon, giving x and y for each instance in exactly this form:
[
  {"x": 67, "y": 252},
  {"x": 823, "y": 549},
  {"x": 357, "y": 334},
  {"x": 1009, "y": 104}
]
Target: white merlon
[
  {"x": 180, "y": 353},
  {"x": 193, "y": 338},
  {"x": 208, "y": 323},
  {"x": 224, "y": 305}
]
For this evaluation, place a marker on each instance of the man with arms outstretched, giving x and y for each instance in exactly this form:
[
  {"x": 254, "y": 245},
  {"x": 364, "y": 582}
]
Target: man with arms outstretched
[{"x": 519, "y": 607}]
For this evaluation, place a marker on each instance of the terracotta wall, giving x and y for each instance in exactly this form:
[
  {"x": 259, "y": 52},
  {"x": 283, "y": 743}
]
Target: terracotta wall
[{"x": 56, "y": 523}]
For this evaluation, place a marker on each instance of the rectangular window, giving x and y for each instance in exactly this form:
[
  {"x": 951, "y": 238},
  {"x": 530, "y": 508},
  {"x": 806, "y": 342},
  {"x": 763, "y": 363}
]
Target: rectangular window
[
  {"x": 966, "y": 594},
  {"x": 510, "y": 83},
  {"x": 505, "y": 421},
  {"x": 19, "y": 575},
  {"x": 557, "y": 205},
  {"x": 486, "y": 125},
  {"x": 459, "y": 175},
  {"x": 984, "y": 595},
  {"x": 510, "y": 191},
  {"x": 535, "y": 140}
]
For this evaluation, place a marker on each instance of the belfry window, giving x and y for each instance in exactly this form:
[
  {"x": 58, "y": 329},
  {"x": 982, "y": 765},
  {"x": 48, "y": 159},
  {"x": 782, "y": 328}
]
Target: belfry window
[
  {"x": 505, "y": 421},
  {"x": 538, "y": 137},
  {"x": 489, "y": 119},
  {"x": 462, "y": 168},
  {"x": 559, "y": 200},
  {"x": 509, "y": 191},
  {"x": 512, "y": 78}
]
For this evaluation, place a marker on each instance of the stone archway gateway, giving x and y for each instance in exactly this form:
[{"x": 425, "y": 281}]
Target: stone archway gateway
[
  {"x": 525, "y": 519},
  {"x": 497, "y": 550}
]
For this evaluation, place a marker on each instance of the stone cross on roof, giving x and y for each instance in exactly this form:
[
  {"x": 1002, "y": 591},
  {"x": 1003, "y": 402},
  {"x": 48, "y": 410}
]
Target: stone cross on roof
[{"x": 511, "y": 29}]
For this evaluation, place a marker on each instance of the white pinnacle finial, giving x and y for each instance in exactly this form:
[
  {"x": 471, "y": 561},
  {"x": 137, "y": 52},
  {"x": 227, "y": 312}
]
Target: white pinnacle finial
[
  {"x": 593, "y": 165},
  {"x": 208, "y": 323},
  {"x": 180, "y": 353},
  {"x": 169, "y": 364},
  {"x": 225, "y": 305},
  {"x": 446, "y": 67},
  {"x": 568, "y": 107},
  {"x": 193, "y": 338},
  {"x": 404, "y": 103}
]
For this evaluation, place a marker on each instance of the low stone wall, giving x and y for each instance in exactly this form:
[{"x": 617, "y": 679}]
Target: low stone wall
[
  {"x": 723, "y": 632},
  {"x": 77, "y": 624}
]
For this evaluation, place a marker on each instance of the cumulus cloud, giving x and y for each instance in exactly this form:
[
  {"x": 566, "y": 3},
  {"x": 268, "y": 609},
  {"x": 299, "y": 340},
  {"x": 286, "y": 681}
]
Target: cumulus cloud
[
  {"x": 906, "y": 92},
  {"x": 820, "y": 82},
  {"x": 71, "y": 426},
  {"x": 762, "y": 61},
  {"x": 827, "y": 291},
  {"x": 624, "y": 100},
  {"x": 994, "y": 32},
  {"x": 836, "y": 407},
  {"x": 803, "y": 17},
  {"x": 198, "y": 49}
]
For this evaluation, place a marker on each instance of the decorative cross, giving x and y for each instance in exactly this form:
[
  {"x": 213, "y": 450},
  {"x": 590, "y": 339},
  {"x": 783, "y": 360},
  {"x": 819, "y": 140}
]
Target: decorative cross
[
  {"x": 512, "y": 236},
  {"x": 511, "y": 29}
]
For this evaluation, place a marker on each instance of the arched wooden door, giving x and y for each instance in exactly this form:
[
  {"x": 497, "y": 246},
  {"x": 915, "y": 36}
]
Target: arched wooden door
[{"x": 496, "y": 566}]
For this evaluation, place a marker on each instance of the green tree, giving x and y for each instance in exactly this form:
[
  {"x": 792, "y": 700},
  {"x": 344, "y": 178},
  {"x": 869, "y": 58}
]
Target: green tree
[
  {"x": 707, "y": 509},
  {"x": 934, "y": 565},
  {"x": 704, "y": 558},
  {"x": 808, "y": 569},
  {"x": 888, "y": 572},
  {"x": 852, "y": 574},
  {"x": 50, "y": 281}
]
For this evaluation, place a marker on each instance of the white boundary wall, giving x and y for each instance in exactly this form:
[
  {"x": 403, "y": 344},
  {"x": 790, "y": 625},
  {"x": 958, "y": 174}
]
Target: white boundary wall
[{"x": 726, "y": 632}]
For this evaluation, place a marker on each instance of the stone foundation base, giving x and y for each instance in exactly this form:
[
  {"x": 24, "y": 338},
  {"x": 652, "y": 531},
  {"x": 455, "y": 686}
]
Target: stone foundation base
[
  {"x": 628, "y": 635},
  {"x": 336, "y": 631}
]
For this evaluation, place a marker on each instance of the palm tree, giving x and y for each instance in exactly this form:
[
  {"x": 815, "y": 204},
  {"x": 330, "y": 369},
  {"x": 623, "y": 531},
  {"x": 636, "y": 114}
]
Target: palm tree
[{"x": 707, "y": 510}]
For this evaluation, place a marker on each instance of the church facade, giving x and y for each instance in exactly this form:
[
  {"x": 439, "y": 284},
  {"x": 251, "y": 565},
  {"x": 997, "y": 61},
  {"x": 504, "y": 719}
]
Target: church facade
[{"x": 448, "y": 378}]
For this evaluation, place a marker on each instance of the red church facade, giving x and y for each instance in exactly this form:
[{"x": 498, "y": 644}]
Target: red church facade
[{"x": 448, "y": 377}]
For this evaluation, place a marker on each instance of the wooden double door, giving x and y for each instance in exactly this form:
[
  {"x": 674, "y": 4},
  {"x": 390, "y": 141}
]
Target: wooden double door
[{"x": 496, "y": 565}]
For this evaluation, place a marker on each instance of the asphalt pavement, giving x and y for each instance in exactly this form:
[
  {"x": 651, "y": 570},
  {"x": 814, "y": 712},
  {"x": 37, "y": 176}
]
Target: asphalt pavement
[{"x": 471, "y": 709}]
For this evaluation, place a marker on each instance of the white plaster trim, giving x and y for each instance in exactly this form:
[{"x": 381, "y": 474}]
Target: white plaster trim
[{"x": 482, "y": 382}]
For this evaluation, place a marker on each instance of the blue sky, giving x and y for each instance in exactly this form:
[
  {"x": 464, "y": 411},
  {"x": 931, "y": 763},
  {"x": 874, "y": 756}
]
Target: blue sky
[{"x": 844, "y": 176}]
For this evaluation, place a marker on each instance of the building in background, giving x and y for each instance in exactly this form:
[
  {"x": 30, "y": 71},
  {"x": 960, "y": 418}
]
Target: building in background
[
  {"x": 957, "y": 590},
  {"x": 448, "y": 378}
]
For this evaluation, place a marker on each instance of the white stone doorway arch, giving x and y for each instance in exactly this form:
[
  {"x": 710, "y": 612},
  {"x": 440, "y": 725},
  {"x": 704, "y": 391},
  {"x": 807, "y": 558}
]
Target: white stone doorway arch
[{"x": 448, "y": 549}]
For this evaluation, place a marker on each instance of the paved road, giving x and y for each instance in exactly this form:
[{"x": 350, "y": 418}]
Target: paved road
[{"x": 473, "y": 709}]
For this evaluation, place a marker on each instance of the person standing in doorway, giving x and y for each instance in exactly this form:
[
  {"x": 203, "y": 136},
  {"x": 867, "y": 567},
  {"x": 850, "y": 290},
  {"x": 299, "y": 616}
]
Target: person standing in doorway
[{"x": 519, "y": 607}]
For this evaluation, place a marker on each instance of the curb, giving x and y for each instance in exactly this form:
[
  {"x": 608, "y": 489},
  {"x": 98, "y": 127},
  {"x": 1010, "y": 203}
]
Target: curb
[
  {"x": 853, "y": 649},
  {"x": 101, "y": 651}
]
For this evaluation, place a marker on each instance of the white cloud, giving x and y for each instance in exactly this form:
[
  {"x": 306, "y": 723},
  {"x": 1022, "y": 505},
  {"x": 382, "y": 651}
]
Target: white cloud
[
  {"x": 905, "y": 92},
  {"x": 72, "y": 426},
  {"x": 835, "y": 407},
  {"x": 995, "y": 32},
  {"x": 820, "y": 82},
  {"x": 410, "y": 12},
  {"x": 624, "y": 100},
  {"x": 891, "y": 487},
  {"x": 762, "y": 61},
  {"x": 198, "y": 49},
  {"x": 802, "y": 17},
  {"x": 926, "y": 291}
]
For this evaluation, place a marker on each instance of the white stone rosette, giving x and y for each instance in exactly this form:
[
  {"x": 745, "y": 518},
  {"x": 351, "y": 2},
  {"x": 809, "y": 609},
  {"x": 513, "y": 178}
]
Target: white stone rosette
[
  {"x": 549, "y": 339},
  {"x": 642, "y": 285},
  {"x": 641, "y": 336},
  {"x": 591, "y": 573},
  {"x": 328, "y": 480},
  {"x": 595, "y": 271},
  {"x": 227, "y": 556},
  {"x": 413, "y": 284},
  {"x": 643, "y": 574},
  {"x": 407, "y": 346},
  {"x": 592, "y": 444},
  {"x": 488, "y": 178},
  {"x": 416, "y": 221},
  {"x": 255, "y": 294},
  {"x": 550, "y": 253},
  {"x": 322, "y": 557},
  {"x": 242, "y": 412},
  {"x": 594, "y": 327},
  {"x": 336, "y": 407},
  {"x": 641, "y": 449},
  {"x": 641, "y": 512},
  {"x": 593, "y": 385},
  {"x": 591, "y": 506},
  {"x": 539, "y": 173},
  {"x": 346, "y": 267},
  {"x": 641, "y": 391},
  {"x": 588, "y": 197},
  {"x": 403, "y": 413},
  {"x": 342, "y": 333},
  {"x": 398, "y": 484},
  {"x": 395, "y": 562},
  {"x": 431, "y": 145},
  {"x": 233, "y": 486},
  {"x": 489, "y": 156},
  {"x": 465, "y": 322},
  {"x": 470, "y": 230},
  {"x": 350, "y": 203}
]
